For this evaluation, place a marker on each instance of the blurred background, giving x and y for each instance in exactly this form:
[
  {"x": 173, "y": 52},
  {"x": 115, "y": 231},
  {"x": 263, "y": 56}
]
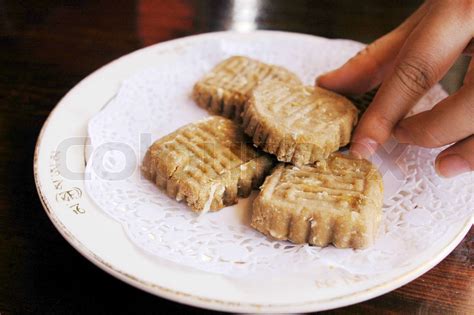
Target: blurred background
[
  {"x": 48, "y": 46},
  {"x": 61, "y": 33}
]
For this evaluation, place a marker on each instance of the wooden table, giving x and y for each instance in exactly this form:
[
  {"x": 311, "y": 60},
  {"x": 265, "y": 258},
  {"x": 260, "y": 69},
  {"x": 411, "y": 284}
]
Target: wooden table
[{"x": 47, "y": 46}]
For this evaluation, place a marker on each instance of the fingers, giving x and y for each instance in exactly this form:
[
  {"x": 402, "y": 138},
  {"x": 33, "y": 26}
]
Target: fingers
[
  {"x": 427, "y": 54},
  {"x": 450, "y": 120},
  {"x": 457, "y": 159},
  {"x": 366, "y": 70}
]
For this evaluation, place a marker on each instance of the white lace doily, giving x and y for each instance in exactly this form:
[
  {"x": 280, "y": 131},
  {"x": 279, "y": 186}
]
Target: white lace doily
[{"x": 419, "y": 207}]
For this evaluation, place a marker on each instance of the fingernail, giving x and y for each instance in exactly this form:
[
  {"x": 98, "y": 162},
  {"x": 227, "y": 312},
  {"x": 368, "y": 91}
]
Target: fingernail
[
  {"x": 364, "y": 147},
  {"x": 402, "y": 135},
  {"x": 451, "y": 165}
]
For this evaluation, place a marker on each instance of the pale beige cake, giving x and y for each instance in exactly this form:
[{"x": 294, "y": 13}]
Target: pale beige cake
[
  {"x": 337, "y": 201},
  {"x": 226, "y": 88},
  {"x": 208, "y": 164},
  {"x": 299, "y": 124}
]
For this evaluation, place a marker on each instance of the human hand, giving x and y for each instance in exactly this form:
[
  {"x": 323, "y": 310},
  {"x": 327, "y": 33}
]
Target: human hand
[{"x": 409, "y": 61}]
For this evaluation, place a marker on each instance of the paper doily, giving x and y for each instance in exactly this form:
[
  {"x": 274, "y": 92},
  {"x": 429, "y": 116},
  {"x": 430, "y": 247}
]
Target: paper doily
[{"x": 419, "y": 207}]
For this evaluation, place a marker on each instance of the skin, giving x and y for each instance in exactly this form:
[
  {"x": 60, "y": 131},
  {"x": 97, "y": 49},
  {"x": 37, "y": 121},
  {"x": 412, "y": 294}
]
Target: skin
[{"x": 407, "y": 62}]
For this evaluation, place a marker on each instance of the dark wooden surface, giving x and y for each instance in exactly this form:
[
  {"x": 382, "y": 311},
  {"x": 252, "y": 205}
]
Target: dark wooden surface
[{"x": 47, "y": 46}]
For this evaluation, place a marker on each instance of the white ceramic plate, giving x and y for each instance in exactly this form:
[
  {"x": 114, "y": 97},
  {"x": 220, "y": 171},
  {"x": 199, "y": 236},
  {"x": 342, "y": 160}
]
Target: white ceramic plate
[{"x": 61, "y": 148}]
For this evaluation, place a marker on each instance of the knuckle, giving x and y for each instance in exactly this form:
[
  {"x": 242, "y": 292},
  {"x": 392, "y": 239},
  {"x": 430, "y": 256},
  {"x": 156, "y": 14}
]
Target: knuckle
[
  {"x": 415, "y": 76},
  {"x": 363, "y": 53},
  {"x": 368, "y": 51}
]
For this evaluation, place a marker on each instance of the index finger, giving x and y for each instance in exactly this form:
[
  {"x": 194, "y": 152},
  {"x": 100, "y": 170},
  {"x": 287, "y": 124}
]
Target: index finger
[{"x": 366, "y": 70}]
